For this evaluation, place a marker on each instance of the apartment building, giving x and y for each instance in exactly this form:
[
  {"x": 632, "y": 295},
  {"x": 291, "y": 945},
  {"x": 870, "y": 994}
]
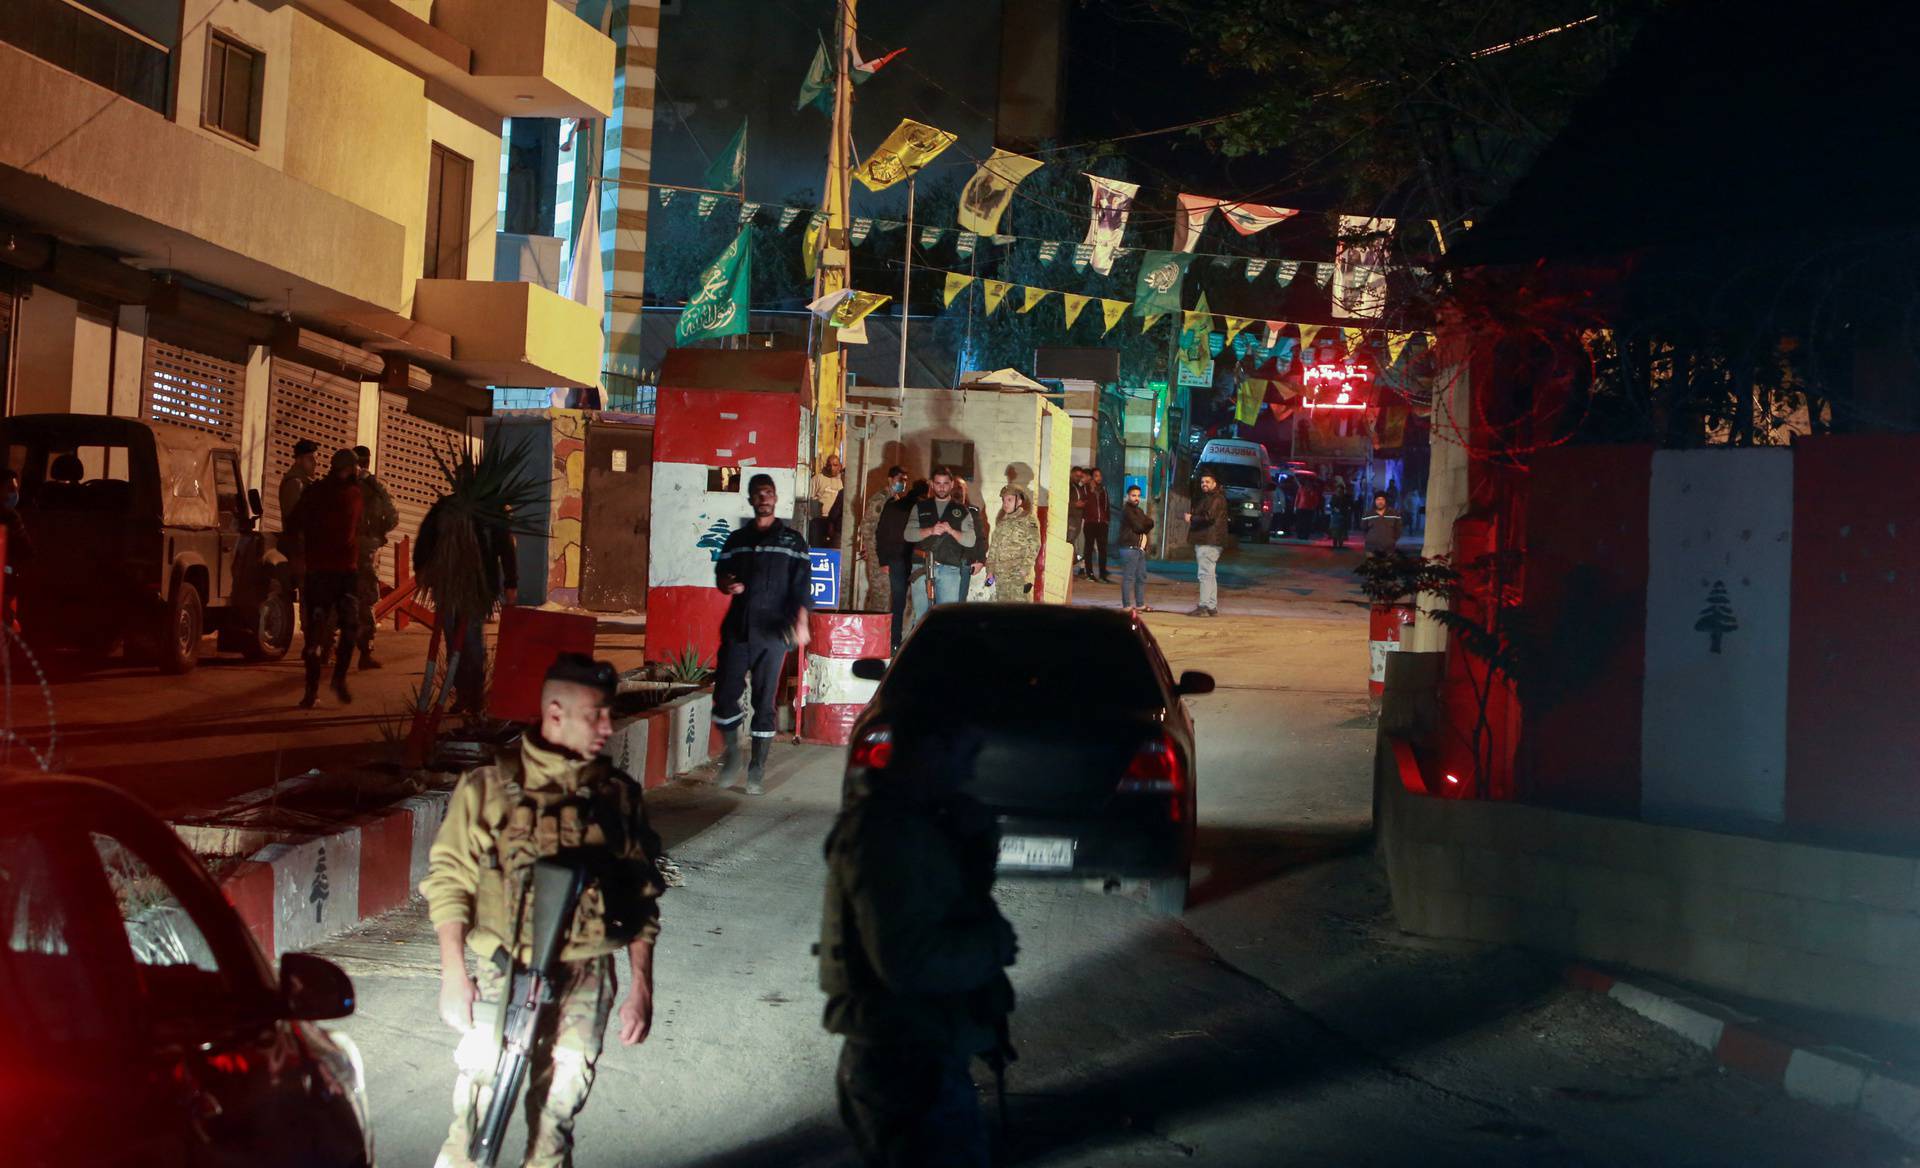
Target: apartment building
[{"x": 275, "y": 219}]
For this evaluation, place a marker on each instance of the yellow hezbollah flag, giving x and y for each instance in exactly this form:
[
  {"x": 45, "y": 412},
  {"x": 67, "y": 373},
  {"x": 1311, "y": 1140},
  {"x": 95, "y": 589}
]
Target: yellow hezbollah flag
[
  {"x": 1253, "y": 392},
  {"x": 1146, "y": 322},
  {"x": 1234, "y": 325},
  {"x": 1073, "y": 306},
  {"x": 1112, "y": 311},
  {"x": 854, "y": 308},
  {"x": 996, "y": 292},
  {"x": 1029, "y": 297},
  {"x": 987, "y": 193},
  {"x": 911, "y": 146},
  {"x": 956, "y": 284}
]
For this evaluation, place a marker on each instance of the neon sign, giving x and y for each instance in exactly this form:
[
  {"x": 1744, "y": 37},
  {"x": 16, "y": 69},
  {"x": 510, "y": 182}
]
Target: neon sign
[{"x": 1340, "y": 386}]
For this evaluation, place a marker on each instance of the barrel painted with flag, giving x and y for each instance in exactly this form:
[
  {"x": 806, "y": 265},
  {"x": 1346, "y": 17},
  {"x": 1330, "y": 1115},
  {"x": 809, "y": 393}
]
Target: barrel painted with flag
[
  {"x": 1384, "y": 624},
  {"x": 832, "y": 696}
]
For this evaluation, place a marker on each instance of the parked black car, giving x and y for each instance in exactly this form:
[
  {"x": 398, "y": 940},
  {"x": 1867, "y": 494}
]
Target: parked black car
[
  {"x": 1088, "y": 753},
  {"x": 141, "y": 1025},
  {"x": 142, "y": 537}
]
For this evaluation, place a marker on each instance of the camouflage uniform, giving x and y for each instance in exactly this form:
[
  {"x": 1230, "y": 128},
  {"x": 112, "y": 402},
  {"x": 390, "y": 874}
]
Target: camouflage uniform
[
  {"x": 879, "y": 589},
  {"x": 1012, "y": 550},
  {"x": 500, "y": 819},
  {"x": 378, "y": 518}
]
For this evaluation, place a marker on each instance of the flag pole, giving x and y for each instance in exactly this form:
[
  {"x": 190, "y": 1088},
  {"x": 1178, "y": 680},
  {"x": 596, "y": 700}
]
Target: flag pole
[
  {"x": 906, "y": 284},
  {"x": 830, "y": 376}
]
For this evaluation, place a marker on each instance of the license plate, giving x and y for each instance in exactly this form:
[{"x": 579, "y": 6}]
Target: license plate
[{"x": 1035, "y": 852}]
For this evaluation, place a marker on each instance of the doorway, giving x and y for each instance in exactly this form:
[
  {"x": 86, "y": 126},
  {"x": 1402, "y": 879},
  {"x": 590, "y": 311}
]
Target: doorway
[{"x": 615, "y": 527}]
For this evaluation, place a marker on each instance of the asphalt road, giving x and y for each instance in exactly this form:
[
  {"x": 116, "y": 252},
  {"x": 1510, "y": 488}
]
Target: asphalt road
[{"x": 1283, "y": 1020}]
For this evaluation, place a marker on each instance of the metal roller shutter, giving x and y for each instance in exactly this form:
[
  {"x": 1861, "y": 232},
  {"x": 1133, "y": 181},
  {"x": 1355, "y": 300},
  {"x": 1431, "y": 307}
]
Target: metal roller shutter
[
  {"x": 189, "y": 388},
  {"x": 305, "y": 403},
  {"x": 411, "y": 451},
  {"x": 6, "y": 344}
]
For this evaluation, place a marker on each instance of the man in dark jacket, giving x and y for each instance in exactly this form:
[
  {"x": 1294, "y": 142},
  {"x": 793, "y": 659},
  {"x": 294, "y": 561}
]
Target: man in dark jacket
[
  {"x": 1135, "y": 523},
  {"x": 913, "y": 953},
  {"x": 327, "y": 521},
  {"x": 1096, "y": 517},
  {"x": 896, "y": 554},
  {"x": 1076, "y": 517},
  {"x": 765, "y": 569},
  {"x": 1207, "y": 531},
  {"x": 1383, "y": 528},
  {"x": 942, "y": 527}
]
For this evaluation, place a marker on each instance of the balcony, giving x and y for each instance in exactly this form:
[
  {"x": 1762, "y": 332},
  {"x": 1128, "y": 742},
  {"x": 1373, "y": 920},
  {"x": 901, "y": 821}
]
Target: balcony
[
  {"x": 84, "y": 164},
  {"x": 511, "y": 333},
  {"x": 128, "y": 61},
  {"x": 517, "y": 58}
]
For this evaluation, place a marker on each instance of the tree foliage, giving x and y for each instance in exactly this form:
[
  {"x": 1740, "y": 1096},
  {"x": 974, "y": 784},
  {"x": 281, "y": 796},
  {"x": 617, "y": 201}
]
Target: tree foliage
[{"x": 1399, "y": 103}]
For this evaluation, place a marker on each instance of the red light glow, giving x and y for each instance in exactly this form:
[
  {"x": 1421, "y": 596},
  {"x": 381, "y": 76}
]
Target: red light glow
[{"x": 1453, "y": 778}]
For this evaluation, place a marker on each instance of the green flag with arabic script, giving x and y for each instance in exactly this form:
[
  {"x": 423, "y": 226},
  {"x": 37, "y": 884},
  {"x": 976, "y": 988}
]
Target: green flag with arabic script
[{"x": 719, "y": 308}]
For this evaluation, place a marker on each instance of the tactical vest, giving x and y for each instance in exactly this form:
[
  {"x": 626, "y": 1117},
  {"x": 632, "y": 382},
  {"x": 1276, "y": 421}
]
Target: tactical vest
[
  {"x": 529, "y": 825},
  {"x": 943, "y": 548}
]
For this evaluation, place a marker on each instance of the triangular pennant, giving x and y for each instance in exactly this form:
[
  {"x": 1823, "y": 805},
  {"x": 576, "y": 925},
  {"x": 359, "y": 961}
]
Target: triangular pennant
[
  {"x": 1030, "y": 298},
  {"x": 822, "y": 306},
  {"x": 1396, "y": 344},
  {"x": 1111, "y": 311},
  {"x": 1254, "y": 268},
  {"x": 861, "y": 229},
  {"x": 929, "y": 236},
  {"x": 1198, "y": 319},
  {"x": 1234, "y": 325},
  {"x": 748, "y": 211},
  {"x": 1310, "y": 336},
  {"x": 706, "y": 205},
  {"x": 1005, "y": 240},
  {"x": 862, "y": 70},
  {"x": 666, "y": 195},
  {"x": 1148, "y": 321},
  {"x": 1274, "y": 329},
  {"x": 787, "y": 216},
  {"x": 956, "y": 284},
  {"x": 1072, "y": 306},
  {"x": 887, "y": 225},
  {"x": 1285, "y": 273},
  {"x": 1082, "y": 252},
  {"x": 1323, "y": 275},
  {"x": 1049, "y": 251},
  {"x": 1353, "y": 338},
  {"x": 963, "y": 244},
  {"x": 853, "y": 334},
  {"x": 996, "y": 291}
]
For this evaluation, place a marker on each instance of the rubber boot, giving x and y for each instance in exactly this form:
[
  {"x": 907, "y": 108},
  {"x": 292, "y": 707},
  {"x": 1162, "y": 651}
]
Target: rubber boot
[
  {"x": 729, "y": 760},
  {"x": 757, "y": 768},
  {"x": 313, "y": 686}
]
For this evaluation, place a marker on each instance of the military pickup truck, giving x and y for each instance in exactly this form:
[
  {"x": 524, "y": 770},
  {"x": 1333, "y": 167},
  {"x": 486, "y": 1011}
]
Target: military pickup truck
[{"x": 144, "y": 540}]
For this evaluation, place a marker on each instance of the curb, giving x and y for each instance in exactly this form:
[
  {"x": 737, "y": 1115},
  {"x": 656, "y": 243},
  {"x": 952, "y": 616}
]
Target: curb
[
  {"x": 298, "y": 893},
  {"x": 1803, "y": 1067}
]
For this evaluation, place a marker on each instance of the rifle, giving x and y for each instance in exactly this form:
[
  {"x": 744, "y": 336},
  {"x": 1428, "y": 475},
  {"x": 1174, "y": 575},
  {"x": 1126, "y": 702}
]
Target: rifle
[{"x": 555, "y": 885}]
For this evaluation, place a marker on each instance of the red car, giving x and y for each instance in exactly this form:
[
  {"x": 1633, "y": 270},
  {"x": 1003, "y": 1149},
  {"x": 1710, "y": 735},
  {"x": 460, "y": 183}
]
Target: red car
[{"x": 139, "y": 1024}]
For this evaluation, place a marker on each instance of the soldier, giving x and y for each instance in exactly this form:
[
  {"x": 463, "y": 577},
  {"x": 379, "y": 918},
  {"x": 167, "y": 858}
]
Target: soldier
[
  {"x": 878, "y": 592},
  {"x": 377, "y": 521},
  {"x": 299, "y": 476},
  {"x": 553, "y": 791},
  {"x": 913, "y": 953},
  {"x": 764, "y": 569},
  {"x": 1013, "y": 546}
]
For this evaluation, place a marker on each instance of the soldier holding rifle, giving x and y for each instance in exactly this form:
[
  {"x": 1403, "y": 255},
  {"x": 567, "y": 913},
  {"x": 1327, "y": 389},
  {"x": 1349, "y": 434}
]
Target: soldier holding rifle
[{"x": 550, "y": 804}]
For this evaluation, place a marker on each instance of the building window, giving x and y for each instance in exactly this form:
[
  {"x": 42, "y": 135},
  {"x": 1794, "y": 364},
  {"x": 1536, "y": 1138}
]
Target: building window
[
  {"x": 231, "y": 102},
  {"x": 449, "y": 196}
]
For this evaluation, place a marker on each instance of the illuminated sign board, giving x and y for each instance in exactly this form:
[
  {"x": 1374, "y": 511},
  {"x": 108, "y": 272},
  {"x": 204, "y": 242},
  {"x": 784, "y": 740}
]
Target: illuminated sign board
[{"x": 1338, "y": 386}]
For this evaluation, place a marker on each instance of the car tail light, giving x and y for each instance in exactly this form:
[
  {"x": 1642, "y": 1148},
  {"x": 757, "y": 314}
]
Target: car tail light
[
  {"x": 1156, "y": 770},
  {"x": 1266, "y": 504},
  {"x": 874, "y": 750}
]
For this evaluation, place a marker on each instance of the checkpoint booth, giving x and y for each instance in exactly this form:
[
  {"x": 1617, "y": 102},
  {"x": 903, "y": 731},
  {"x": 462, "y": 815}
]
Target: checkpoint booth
[{"x": 721, "y": 417}]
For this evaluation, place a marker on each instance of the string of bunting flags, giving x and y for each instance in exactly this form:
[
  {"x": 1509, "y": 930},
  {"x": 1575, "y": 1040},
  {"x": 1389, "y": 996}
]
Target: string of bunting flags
[{"x": 1080, "y": 255}]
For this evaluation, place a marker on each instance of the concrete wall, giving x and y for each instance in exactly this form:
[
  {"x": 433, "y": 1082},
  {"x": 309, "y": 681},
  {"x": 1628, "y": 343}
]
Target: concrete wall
[
  {"x": 358, "y": 129},
  {"x": 1818, "y": 927}
]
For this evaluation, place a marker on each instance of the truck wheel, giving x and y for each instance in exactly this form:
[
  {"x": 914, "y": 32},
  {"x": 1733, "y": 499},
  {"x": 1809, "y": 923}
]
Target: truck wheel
[
  {"x": 180, "y": 637},
  {"x": 269, "y": 634},
  {"x": 1168, "y": 897}
]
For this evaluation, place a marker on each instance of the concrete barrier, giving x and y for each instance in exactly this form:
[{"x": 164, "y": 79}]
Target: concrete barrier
[{"x": 1780, "y": 921}]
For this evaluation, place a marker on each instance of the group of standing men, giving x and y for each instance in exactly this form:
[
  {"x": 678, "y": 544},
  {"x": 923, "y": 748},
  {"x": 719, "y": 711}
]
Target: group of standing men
[
  {"x": 332, "y": 530},
  {"x": 927, "y": 543}
]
